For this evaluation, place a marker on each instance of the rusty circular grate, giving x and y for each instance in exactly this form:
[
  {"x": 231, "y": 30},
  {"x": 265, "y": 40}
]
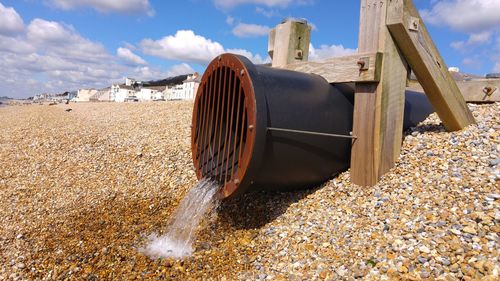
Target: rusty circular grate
[{"x": 223, "y": 125}]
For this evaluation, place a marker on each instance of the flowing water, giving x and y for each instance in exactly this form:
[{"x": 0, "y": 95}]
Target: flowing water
[{"x": 199, "y": 202}]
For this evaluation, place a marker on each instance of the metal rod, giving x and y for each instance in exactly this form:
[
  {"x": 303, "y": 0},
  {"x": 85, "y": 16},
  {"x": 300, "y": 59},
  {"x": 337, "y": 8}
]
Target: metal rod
[
  {"x": 237, "y": 123},
  {"x": 311, "y": 133},
  {"x": 220, "y": 105},
  {"x": 215, "y": 130},
  {"x": 232, "y": 95}
]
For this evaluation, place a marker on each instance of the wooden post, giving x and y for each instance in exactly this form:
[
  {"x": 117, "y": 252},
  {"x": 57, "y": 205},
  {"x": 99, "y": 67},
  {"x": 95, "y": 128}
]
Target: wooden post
[
  {"x": 379, "y": 107},
  {"x": 408, "y": 30},
  {"x": 289, "y": 42}
]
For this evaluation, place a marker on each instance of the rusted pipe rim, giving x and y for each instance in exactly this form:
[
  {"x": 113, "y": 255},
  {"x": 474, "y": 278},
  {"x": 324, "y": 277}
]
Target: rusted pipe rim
[{"x": 224, "y": 123}]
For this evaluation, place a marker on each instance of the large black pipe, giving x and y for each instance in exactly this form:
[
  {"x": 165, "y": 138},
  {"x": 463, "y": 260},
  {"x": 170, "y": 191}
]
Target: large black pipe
[{"x": 297, "y": 128}]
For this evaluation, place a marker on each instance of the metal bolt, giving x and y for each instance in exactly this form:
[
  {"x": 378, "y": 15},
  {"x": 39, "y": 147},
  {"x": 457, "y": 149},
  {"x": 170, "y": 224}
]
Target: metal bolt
[
  {"x": 361, "y": 64},
  {"x": 489, "y": 90},
  {"x": 414, "y": 24},
  {"x": 242, "y": 72},
  {"x": 236, "y": 181},
  {"x": 250, "y": 127}
]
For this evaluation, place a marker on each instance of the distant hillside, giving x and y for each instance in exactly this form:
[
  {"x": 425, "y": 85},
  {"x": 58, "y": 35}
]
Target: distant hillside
[{"x": 168, "y": 81}]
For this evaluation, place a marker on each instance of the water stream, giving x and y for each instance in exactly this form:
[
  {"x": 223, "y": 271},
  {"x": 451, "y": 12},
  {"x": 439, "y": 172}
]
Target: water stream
[{"x": 177, "y": 242}]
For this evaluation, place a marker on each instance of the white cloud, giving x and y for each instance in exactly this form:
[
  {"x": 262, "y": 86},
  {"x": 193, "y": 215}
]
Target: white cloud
[
  {"x": 128, "y": 56},
  {"x": 107, "y": 6},
  {"x": 43, "y": 31},
  {"x": 472, "y": 62},
  {"x": 496, "y": 68},
  {"x": 479, "y": 19},
  {"x": 187, "y": 46},
  {"x": 53, "y": 57},
  {"x": 230, "y": 20},
  {"x": 179, "y": 69},
  {"x": 61, "y": 40},
  {"x": 313, "y": 26},
  {"x": 10, "y": 21},
  {"x": 250, "y": 30},
  {"x": 465, "y": 15},
  {"x": 228, "y": 4},
  {"x": 267, "y": 12},
  {"x": 328, "y": 51},
  {"x": 257, "y": 59},
  {"x": 474, "y": 39},
  {"x": 146, "y": 73},
  {"x": 15, "y": 45},
  {"x": 496, "y": 56},
  {"x": 480, "y": 38}
]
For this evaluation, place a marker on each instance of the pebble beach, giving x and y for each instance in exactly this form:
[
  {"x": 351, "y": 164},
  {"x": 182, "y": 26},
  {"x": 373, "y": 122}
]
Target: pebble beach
[{"x": 81, "y": 191}]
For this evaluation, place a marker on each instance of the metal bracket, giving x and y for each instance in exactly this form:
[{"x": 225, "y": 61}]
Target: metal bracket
[
  {"x": 414, "y": 24},
  {"x": 489, "y": 90},
  {"x": 311, "y": 133},
  {"x": 364, "y": 63}
]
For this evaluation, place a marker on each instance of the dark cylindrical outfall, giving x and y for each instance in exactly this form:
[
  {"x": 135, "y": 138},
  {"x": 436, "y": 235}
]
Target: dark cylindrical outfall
[
  {"x": 268, "y": 127},
  {"x": 417, "y": 105}
]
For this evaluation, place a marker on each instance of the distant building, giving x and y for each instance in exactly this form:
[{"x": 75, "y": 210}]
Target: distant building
[
  {"x": 174, "y": 92},
  {"x": 492, "y": 76},
  {"x": 72, "y": 95},
  {"x": 131, "y": 82},
  {"x": 150, "y": 93},
  {"x": 84, "y": 95},
  {"x": 122, "y": 93},
  {"x": 185, "y": 91},
  {"x": 102, "y": 95},
  {"x": 159, "y": 96},
  {"x": 40, "y": 97}
]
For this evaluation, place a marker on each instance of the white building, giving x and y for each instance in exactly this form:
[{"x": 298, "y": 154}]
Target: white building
[
  {"x": 102, "y": 95},
  {"x": 122, "y": 93},
  {"x": 40, "y": 97},
  {"x": 185, "y": 91},
  {"x": 159, "y": 96},
  {"x": 84, "y": 95},
  {"x": 174, "y": 92},
  {"x": 130, "y": 81},
  {"x": 146, "y": 94}
]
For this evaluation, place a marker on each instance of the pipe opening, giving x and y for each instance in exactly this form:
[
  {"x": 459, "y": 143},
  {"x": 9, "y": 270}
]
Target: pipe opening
[{"x": 220, "y": 126}]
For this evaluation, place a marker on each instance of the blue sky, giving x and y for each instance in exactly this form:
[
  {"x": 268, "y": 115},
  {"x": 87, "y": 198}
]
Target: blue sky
[{"x": 59, "y": 45}]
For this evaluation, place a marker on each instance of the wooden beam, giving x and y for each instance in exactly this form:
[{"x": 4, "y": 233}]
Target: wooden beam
[
  {"x": 345, "y": 69},
  {"x": 379, "y": 107},
  {"x": 410, "y": 33},
  {"x": 475, "y": 91},
  {"x": 289, "y": 42}
]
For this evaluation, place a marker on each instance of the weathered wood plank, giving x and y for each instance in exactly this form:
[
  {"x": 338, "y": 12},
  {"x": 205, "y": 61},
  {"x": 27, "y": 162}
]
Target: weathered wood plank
[
  {"x": 477, "y": 90},
  {"x": 289, "y": 43},
  {"x": 379, "y": 107},
  {"x": 414, "y": 41},
  {"x": 344, "y": 69}
]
